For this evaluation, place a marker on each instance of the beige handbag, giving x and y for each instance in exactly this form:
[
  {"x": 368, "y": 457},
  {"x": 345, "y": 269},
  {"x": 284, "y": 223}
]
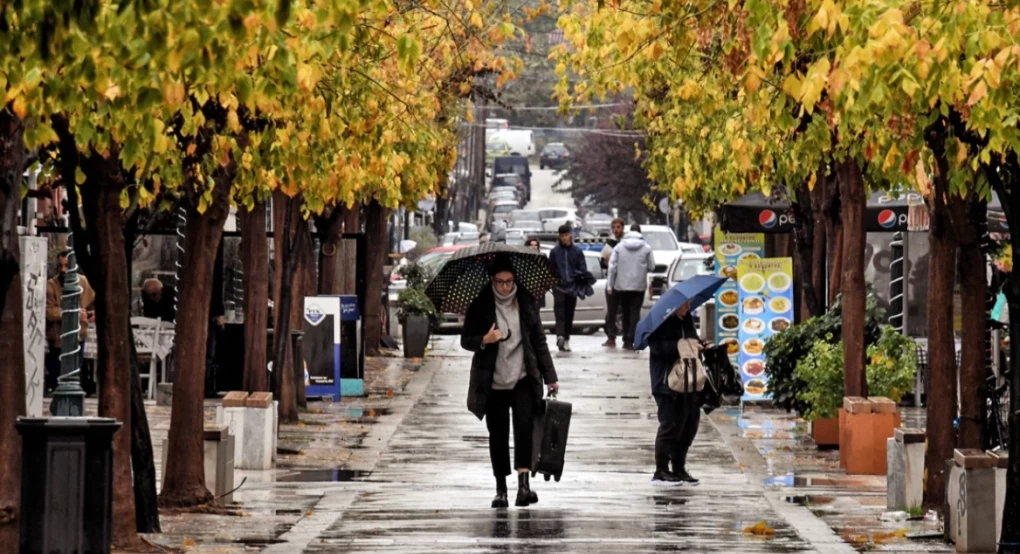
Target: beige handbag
[{"x": 688, "y": 373}]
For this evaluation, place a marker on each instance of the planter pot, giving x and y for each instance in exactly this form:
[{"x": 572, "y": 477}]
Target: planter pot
[
  {"x": 416, "y": 336},
  {"x": 866, "y": 426},
  {"x": 825, "y": 432}
]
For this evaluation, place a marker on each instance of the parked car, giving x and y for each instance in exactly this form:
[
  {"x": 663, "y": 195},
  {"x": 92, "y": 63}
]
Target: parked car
[
  {"x": 590, "y": 314},
  {"x": 500, "y": 211},
  {"x": 598, "y": 224},
  {"x": 685, "y": 266},
  {"x": 516, "y": 237},
  {"x": 494, "y": 148},
  {"x": 433, "y": 261},
  {"x": 554, "y": 155},
  {"x": 503, "y": 193},
  {"x": 514, "y": 164},
  {"x": 552, "y": 218},
  {"x": 527, "y": 220}
]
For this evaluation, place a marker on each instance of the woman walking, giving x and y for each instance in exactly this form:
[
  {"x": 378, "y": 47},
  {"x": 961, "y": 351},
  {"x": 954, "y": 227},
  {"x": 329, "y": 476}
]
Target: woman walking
[
  {"x": 511, "y": 361},
  {"x": 679, "y": 414}
]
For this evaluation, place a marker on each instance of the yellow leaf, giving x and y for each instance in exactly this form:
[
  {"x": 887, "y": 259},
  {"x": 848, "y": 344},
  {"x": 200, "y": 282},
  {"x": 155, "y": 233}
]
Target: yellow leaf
[
  {"x": 112, "y": 92},
  {"x": 812, "y": 181},
  {"x": 760, "y": 529},
  {"x": 476, "y": 20},
  {"x": 233, "y": 123},
  {"x": 978, "y": 93},
  {"x": 125, "y": 200},
  {"x": 20, "y": 106},
  {"x": 792, "y": 85},
  {"x": 753, "y": 79}
]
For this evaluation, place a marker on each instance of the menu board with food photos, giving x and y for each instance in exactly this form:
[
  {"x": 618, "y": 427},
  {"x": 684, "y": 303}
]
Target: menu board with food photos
[
  {"x": 766, "y": 308},
  {"x": 730, "y": 249}
]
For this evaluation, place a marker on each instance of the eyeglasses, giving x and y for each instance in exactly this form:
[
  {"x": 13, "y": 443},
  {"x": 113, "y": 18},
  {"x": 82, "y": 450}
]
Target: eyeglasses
[{"x": 503, "y": 282}]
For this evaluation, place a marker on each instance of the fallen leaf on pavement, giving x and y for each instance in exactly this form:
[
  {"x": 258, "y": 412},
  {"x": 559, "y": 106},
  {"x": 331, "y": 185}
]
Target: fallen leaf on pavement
[
  {"x": 883, "y": 537},
  {"x": 760, "y": 529}
]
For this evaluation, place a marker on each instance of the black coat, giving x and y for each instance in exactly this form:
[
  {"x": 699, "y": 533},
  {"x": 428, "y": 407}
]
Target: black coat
[
  {"x": 538, "y": 364},
  {"x": 664, "y": 353}
]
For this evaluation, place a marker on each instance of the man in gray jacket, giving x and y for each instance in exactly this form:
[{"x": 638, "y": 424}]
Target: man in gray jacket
[{"x": 629, "y": 265}]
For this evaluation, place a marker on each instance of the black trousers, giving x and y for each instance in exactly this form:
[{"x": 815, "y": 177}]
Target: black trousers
[
  {"x": 521, "y": 401},
  {"x": 679, "y": 418},
  {"x": 628, "y": 302},
  {"x": 611, "y": 304},
  {"x": 564, "y": 305}
]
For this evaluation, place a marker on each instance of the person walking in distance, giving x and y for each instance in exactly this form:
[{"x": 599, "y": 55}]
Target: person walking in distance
[
  {"x": 55, "y": 314},
  {"x": 679, "y": 415},
  {"x": 569, "y": 262},
  {"x": 629, "y": 265},
  {"x": 511, "y": 361},
  {"x": 611, "y": 304}
]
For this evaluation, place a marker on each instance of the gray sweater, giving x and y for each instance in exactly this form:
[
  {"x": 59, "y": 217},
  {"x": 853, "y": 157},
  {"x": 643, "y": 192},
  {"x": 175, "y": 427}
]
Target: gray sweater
[{"x": 510, "y": 359}]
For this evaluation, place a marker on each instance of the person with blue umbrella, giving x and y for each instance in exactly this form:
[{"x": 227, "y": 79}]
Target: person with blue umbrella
[{"x": 679, "y": 415}]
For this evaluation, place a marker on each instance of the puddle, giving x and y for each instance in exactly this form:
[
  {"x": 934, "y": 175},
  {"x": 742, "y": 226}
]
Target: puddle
[
  {"x": 367, "y": 412},
  {"x": 779, "y": 481},
  {"x": 810, "y": 500},
  {"x": 323, "y": 476}
]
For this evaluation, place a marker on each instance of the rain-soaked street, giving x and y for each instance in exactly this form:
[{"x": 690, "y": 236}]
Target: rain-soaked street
[{"x": 431, "y": 486}]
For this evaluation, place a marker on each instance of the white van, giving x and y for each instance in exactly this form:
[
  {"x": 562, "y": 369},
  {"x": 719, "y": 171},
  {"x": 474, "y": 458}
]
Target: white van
[{"x": 521, "y": 142}]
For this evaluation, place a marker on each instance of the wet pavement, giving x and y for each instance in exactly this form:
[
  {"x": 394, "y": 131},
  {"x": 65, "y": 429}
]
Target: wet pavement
[
  {"x": 430, "y": 490},
  {"x": 776, "y": 448},
  {"x": 406, "y": 470}
]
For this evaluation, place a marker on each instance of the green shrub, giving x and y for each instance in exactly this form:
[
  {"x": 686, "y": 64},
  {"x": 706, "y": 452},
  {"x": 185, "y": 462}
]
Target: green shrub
[
  {"x": 785, "y": 349},
  {"x": 413, "y": 301},
  {"x": 892, "y": 361}
]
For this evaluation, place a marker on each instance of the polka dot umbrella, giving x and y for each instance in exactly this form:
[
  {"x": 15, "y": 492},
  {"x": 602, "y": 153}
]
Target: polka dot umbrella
[{"x": 466, "y": 274}]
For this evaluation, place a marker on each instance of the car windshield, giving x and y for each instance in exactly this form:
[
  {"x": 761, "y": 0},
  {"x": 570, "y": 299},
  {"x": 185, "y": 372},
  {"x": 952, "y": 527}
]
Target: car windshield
[
  {"x": 685, "y": 269},
  {"x": 555, "y": 148},
  {"x": 504, "y": 208},
  {"x": 497, "y": 145},
  {"x": 660, "y": 240},
  {"x": 512, "y": 165},
  {"x": 506, "y": 180},
  {"x": 524, "y": 215},
  {"x": 553, "y": 214}
]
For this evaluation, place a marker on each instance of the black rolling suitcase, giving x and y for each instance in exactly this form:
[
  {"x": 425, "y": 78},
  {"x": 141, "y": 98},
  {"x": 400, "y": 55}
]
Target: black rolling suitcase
[{"x": 550, "y": 438}]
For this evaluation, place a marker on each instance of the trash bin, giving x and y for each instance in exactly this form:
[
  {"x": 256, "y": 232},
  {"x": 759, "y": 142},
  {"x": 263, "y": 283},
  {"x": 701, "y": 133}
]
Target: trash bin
[
  {"x": 66, "y": 484},
  {"x": 352, "y": 365}
]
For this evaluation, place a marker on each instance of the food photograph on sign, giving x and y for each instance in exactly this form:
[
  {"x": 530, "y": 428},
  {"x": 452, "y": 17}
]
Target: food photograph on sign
[{"x": 765, "y": 307}]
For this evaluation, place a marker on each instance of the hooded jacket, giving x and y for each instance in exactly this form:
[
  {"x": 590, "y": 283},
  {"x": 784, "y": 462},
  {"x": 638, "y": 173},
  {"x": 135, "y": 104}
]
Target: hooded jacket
[{"x": 630, "y": 263}]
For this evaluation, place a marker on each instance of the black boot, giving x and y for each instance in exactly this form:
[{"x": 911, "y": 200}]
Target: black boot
[
  {"x": 525, "y": 496},
  {"x": 500, "y": 501}
]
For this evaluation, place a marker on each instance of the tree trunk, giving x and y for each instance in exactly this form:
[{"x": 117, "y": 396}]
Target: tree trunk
[
  {"x": 819, "y": 241},
  {"x": 349, "y": 252},
  {"x": 804, "y": 248},
  {"x": 854, "y": 201},
  {"x": 101, "y": 199},
  {"x": 255, "y": 263},
  {"x": 185, "y": 474},
  {"x": 1003, "y": 176},
  {"x": 304, "y": 285},
  {"x": 832, "y": 209},
  {"x": 969, "y": 223},
  {"x": 375, "y": 227},
  {"x": 941, "y": 352},
  {"x": 143, "y": 464},
  {"x": 285, "y": 218},
  {"x": 12, "y": 363},
  {"x": 330, "y": 243}
]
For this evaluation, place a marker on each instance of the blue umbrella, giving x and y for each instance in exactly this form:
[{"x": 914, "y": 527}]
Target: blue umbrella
[{"x": 697, "y": 290}]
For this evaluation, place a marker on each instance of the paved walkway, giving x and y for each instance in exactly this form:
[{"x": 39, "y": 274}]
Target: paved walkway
[{"x": 431, "y": 488}]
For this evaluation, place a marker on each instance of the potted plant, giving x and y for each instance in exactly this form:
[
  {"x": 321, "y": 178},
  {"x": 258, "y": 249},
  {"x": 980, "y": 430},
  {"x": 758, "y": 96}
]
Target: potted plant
[
  {"x": 416, "y": 312},
  {"x": 892, "y": 361},
  {"x": 785, "y": 349}
]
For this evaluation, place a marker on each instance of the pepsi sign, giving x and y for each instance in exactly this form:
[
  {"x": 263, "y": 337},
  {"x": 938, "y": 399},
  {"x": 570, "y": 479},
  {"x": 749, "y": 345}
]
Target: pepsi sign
[
  {"x": 769, "y": 219},
  {"x": 887, "y": 219}
]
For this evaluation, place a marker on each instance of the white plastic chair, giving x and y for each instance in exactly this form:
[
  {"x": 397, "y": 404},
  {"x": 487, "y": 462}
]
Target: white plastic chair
[{"x": 146, "y": 335}]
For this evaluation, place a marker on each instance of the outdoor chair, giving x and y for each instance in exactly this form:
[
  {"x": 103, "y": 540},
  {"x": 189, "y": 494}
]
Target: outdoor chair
[{"x": 153, "y": 342}]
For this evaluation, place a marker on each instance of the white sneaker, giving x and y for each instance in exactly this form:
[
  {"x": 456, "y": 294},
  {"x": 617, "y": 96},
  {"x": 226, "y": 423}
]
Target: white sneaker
[
  {"x": 560, "y": 341},
  {"x": 566, "y": 345}
]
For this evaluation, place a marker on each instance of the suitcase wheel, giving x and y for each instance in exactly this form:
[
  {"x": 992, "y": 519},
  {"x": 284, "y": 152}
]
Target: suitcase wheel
[
  {"x": 557, "y": 477},
  {"x": 547, "y": 478}
]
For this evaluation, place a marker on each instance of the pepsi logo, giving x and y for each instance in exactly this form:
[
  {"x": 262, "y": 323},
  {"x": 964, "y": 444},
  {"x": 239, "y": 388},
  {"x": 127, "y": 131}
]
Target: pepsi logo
[
  {"x": 769, "y": 219},
  {"x": 888, "y": 219}
]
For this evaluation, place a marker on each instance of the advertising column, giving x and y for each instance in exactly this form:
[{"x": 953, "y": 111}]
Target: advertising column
[
  {"x": 730, "y": 249},
  {"x": 766, "y": 308}
]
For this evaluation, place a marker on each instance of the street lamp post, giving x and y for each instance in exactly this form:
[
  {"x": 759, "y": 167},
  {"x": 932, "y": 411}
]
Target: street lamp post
[{"x": 69, "y": 398}]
